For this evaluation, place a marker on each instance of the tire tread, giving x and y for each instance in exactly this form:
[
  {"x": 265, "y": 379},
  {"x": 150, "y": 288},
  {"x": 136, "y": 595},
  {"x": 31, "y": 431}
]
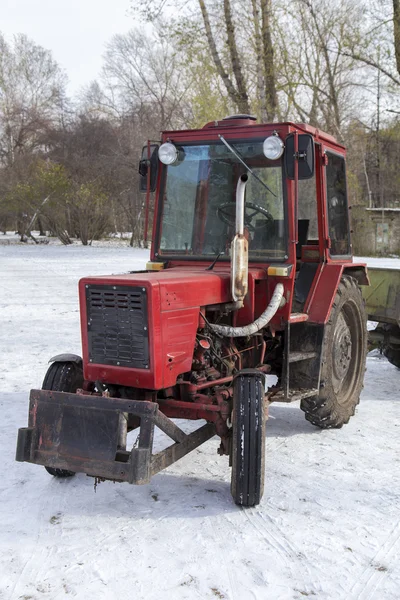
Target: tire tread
[
  {"x": 62, "y": 377},
  {"x": 325, "y": 411}
]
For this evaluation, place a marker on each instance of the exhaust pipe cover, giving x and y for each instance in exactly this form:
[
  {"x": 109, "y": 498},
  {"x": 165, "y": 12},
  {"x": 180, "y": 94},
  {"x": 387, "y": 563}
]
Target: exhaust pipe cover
[{"x": 239, "y": 247}]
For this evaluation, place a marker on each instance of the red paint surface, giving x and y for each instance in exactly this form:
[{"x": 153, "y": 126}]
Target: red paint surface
[{"x": 174, "y": 299}]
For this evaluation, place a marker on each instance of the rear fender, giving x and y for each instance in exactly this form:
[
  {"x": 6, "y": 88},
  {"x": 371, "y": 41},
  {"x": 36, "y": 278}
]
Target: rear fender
[{"x": 326, "y": 282}]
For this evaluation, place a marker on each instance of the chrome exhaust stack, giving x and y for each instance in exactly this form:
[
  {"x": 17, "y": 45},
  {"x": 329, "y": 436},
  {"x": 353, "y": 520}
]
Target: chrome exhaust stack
[
  {"x": 239, "y": 248},
  {"x": 239, "y": 275}
]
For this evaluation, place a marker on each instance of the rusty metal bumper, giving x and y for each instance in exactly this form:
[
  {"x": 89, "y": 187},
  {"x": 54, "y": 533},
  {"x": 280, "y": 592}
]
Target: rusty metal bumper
[{"x": 82, "y": 433}]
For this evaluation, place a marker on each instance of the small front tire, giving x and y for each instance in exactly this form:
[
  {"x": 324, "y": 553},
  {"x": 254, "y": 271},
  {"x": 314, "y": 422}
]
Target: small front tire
[
  {"x": 63, "y": 377},
  {"x": 60, "y": 473},
  {"x": 248, "y": 438}
]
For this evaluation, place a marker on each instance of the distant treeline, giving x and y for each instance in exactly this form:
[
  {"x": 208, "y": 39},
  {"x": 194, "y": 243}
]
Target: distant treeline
[{"x": 69, "y": 166}]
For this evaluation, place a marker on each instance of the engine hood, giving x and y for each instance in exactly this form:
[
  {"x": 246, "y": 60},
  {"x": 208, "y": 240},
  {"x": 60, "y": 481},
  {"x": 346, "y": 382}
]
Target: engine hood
[
  {"x": 178, "y": 288},
  {"x": 159, "y": 335}
]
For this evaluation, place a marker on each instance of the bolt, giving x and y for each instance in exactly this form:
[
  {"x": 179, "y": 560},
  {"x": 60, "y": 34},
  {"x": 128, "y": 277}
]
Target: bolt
[
  {"x": 114, "y": 287},
  {"x": 145, "y": 328},
  {"x": 91, "y": 360},
  {"x": 117, "y": 363},
  {"x": 143, "y": 289}
]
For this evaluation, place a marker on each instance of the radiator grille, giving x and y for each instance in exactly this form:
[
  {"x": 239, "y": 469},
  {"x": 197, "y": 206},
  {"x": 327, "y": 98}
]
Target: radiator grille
[{"x": 117, "y": 326}]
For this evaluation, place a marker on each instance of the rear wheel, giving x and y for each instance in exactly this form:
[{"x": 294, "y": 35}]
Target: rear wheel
[
  {"x": 344, "y": 354},
  {"x": 63, "y": 377},
  {"x": 248, "y": 438}
]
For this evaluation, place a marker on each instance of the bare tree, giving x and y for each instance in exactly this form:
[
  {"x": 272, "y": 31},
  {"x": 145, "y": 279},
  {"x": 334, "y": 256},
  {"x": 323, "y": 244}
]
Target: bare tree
[
  {"x": 321, "y": 85},
  {"x": 144, "y": 71},
  {"x": 31, "y": 95},
  {"x": 221, "y": 23},
  {"x": 380, "y": 37}
]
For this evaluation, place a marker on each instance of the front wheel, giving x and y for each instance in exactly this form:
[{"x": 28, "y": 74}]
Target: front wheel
[
  {"x": 60, "y": 473},
  {"x": 63, "y": 377},
  {"x": 248, "y": 438}
]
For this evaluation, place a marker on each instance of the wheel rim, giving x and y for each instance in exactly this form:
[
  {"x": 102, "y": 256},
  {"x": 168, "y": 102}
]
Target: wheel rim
[{"x": 346, "y": 352}]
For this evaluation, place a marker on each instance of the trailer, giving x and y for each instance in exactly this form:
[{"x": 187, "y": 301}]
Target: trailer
[
  {"x": 251, "y": 273},
  {"x": 382, "y": 301}
]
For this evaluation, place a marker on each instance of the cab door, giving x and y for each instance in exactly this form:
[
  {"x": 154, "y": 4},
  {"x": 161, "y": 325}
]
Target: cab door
[{"x": 337, "y": 208}]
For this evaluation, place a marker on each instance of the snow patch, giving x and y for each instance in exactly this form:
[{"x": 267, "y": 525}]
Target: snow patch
[{"x": 327, "y": 528}]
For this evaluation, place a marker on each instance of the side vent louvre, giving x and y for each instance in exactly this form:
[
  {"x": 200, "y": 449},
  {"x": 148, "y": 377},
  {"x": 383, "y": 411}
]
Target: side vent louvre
[{"x": 117, "y": 326}]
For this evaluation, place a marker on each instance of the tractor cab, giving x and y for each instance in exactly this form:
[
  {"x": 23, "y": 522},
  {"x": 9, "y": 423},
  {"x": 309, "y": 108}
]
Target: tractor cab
[{"x": 295, "y": 211}]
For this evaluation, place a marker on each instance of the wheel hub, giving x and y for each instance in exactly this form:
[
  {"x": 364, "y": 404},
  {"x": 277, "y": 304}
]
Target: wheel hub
[{"x": 341, "y": 350}]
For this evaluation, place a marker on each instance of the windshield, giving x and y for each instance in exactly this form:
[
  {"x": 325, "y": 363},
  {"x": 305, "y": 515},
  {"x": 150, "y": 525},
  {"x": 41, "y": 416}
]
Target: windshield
[{"x": 199, "y": 200}]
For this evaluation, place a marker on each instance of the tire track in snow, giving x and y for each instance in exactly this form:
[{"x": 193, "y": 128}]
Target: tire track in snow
[
  {"x": 33, "y": 566},
  {"x": 367, "y": 585},
  {"x": 233, "y": 582},
  {"x": 112, "y": 539},
  {"x": 293, "y": 557}
]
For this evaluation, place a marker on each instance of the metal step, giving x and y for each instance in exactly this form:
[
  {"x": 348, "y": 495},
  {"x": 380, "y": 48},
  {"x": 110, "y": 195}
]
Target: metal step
[
  {"x": 298, "y": 318},
  {"x": 298, "y": 356},
  {"x": 294, "y": 394}
]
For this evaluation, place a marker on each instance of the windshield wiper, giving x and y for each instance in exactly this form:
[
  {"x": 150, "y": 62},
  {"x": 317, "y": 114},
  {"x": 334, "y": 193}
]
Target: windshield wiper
[
  {"x": 210, "y": 267},
  {"x": 236, "y": 153}
]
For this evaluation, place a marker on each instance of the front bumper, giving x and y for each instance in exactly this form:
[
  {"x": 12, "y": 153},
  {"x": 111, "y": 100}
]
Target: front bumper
[{"x": 83, "y": 433}]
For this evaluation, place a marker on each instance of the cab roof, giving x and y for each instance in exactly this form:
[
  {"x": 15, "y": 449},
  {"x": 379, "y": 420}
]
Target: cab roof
[{"x": 247, "y": 126}]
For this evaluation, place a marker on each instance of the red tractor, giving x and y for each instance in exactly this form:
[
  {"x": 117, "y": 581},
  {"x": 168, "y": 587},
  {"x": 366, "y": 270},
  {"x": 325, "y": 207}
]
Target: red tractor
[{"x": 251, "y": 276}]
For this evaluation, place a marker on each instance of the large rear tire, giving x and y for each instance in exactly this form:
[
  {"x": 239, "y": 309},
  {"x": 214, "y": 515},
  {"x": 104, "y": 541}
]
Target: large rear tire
[
  {"x": 344, "y": 354},
  {"x": 63, "y": 377},
  {"x": 248, "y": 438}
]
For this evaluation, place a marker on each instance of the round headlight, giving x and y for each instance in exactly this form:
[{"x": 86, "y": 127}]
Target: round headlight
[
  {"x": 168, "y": 153},
  {"x": 273, "y": 147}
]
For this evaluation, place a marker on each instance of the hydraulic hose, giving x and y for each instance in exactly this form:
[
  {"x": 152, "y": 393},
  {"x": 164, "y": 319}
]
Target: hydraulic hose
[{"x": 259, "y": 323}]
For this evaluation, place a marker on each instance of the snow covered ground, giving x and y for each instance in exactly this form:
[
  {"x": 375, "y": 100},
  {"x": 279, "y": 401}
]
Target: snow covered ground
[{"x": 328, "y": 526}]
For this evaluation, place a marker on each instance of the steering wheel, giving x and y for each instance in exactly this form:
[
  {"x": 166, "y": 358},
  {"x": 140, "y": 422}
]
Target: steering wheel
[{"x": 227, "y": 213}]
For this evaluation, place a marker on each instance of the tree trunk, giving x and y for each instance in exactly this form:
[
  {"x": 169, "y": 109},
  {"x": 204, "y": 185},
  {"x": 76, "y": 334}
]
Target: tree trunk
[
  {"x": 233, "y": 93},
  {"x": 41, "y": 229},
  {"x": 269, "y": 67},
  {"x": 242, "y": 97},
  {"x": 396, "y": 31},
  {"x": 259, "y": 62},
  {"x": 333, "y": 95}
]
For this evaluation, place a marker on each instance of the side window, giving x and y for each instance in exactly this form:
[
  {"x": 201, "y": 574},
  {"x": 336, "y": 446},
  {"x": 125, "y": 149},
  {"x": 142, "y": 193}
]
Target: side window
[
  {"x": 336, "y": 197},
  {"x": 307, "y": 209}
]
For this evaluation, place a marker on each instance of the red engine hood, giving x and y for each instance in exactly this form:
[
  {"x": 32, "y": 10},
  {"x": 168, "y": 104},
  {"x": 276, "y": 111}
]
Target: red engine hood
[
  {"x": 174, "y": 298},
  {"x": 181, "y": 287},
  {"x": 184, "y": 289}
]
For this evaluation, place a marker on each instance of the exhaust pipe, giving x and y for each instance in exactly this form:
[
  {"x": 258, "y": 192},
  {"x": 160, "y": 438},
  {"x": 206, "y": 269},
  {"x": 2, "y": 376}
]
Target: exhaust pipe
[
  {"x": 239, "y": 248},
  {"x": 277, "y": 301},
  {"x": 239, "y": 275}
]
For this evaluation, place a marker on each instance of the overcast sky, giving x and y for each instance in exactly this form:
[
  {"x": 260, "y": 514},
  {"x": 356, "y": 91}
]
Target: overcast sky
[{"x": 74, "y": 30}]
